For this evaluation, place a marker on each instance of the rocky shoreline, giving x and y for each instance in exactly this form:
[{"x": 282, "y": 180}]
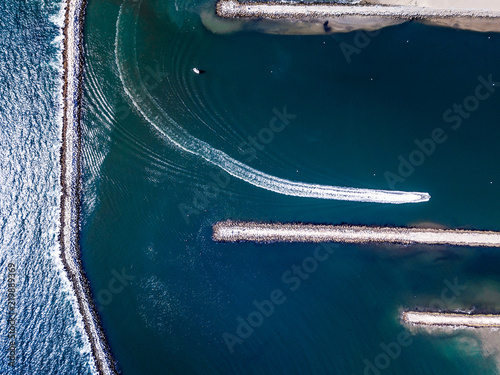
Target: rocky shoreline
[
  {"x": 70, "y": 179},
  {"x": 237, "y": 231}
]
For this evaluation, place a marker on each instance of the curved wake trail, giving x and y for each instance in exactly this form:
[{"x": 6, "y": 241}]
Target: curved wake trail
[{"x": 155, "y": 115}]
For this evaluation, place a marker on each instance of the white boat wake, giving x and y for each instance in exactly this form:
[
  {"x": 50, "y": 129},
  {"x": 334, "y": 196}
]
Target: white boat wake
[{"x": 156, "y": 116}]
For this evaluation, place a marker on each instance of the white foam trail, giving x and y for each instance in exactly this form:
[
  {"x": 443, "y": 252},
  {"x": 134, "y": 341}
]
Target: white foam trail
[{"x": 155, "y": 115}]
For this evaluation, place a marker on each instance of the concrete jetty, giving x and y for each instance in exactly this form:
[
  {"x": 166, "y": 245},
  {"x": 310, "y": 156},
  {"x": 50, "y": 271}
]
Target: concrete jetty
[
  {"x": 236, "y": 231},
  {"x": 451, "y": 319},
  {"x": 292, "y": 10}
]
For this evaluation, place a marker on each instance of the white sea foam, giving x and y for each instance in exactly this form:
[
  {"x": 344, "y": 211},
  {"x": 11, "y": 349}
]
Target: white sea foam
[
  {"x": 173, "y": 132},
  {"x": 58, "y": 18},
  {"x": 86, "y": 319}
]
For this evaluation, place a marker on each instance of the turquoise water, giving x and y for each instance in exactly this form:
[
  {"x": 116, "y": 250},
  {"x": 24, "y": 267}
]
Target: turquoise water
[
  {"x": 48, "y": 338},
  {"x": 148, "y": 206}
]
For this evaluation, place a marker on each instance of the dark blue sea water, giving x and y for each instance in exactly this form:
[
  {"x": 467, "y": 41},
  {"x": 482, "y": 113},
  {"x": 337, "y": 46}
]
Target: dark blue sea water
[
  {"x": 48, "y": 337},
  {"x": 149, "y": 205}
]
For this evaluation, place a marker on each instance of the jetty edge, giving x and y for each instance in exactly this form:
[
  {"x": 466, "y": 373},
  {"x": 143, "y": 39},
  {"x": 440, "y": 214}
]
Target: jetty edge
[
  {"x": 70, "y": 180},
  {"x": 451, "y": 319},
  {"x": 248, "y": 231},
  {"x": 320, "y": 18},
  {"x": 299, "y": 10}
]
